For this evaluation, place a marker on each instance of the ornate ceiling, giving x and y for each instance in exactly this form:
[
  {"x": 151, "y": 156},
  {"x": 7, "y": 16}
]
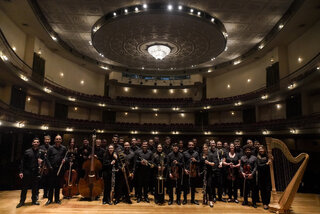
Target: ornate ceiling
[{"x": 194, "y": 41}]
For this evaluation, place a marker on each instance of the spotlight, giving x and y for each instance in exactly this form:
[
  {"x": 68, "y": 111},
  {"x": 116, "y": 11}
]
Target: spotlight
[
  {"x": 191, "y": 10},
  {"x": 180, "y": 7},
  {"x": 145, "y": 6},
  {"x": 169, "y": 7}
]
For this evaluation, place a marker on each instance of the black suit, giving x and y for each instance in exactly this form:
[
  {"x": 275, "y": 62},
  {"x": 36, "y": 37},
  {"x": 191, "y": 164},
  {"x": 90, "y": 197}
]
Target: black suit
[
  {"x": 30, "y": 169},
  {"x": 55, "y": 157}
]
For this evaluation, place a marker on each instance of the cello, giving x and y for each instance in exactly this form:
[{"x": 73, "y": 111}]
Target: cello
[
  {"x": 91, "y": 185},
  {"x": 70, "y": 188}
]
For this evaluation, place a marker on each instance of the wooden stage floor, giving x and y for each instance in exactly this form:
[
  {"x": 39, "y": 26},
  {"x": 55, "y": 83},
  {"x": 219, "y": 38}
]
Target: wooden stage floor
[{"x": 303, "y": 203}]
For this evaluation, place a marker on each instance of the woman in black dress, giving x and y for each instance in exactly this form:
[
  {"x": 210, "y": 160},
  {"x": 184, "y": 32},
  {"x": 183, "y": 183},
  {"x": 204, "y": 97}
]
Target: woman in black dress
[
  {"x": 264, "y": 180},
  {"x": 232, "y": 163},
  {"x": 109, "y": 164}
]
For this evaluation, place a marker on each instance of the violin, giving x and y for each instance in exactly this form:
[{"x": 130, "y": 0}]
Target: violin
[
  {"x": 246, "y": 170},
  {"x": 175, "y": 172},
  {"x": 193, "y": 169},
  {"x": 70, "y": 188},
  {"x": 91, "y": 185},
  {"x": 231, "y": 176}
]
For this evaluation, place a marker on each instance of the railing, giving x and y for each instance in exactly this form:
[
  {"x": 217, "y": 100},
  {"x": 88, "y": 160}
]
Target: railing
[
  {"x": 11, "y": 114},
  {"x": 16, "y": 63}
]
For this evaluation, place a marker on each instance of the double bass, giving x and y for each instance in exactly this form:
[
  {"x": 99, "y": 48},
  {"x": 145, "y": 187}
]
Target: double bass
[{"x": 91, "y": 185}]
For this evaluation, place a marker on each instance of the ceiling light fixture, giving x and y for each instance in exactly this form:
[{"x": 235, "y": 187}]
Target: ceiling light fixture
[
  {"x": 191, "y": 10},
  {"x": 159, "y": 51},
  {"x": 169, "y": 7},
  {"x": 126, "y": 10},
  {"x": 180, "y": 7},
  {"x": 145, "y": 6}
]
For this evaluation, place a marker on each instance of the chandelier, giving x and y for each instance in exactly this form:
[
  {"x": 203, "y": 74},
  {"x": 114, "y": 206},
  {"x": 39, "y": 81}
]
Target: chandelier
[{"x": 159, "y": 51}]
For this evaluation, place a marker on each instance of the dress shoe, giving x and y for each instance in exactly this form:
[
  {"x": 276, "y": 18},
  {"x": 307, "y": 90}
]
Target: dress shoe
[
  {"x": 35, "y": 203},
  {"x": 236, "y": 201},
  {"x": 221, "y": 199},
  {"x": 184, "y": 201},
  {"x": 128, "y": 201},
  {"x": 211, "y": 204},
  {"x": 58, "y": 202},
  {"x": 20, "y": 205},
  {"x": 178, "y": 202},
  {"x": 146, "y": 200},
  {"x": 170, "y": 202},
  {"x": 138, "y": 200},
  {"x": 245, "y": 203},
  {"x": 195, "y": 202},
  {"x": 265, "y": 207},
  {"x": 254, "y": 205},
  {"x": 116, "y": 202},
  {"x": 48, "y": 202},
  {"x": 214, "y": 200},
  {"x": 104, "y": 202},
  {"x": 109, "y": 202}
]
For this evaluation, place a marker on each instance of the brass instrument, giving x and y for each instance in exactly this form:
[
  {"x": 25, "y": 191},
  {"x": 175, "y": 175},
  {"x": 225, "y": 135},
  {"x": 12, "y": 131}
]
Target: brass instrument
[
  {"x": 123, "y": 169},
  {"x": 160, "y": 176},
  {"x": 148, "y": 163}
]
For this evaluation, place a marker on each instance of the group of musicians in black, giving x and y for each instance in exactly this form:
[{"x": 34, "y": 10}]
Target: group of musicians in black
[{"x": 150, "y": 167}]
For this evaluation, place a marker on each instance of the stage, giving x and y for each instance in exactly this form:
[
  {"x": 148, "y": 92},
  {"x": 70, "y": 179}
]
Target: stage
[{"x": 303, "y": 203}]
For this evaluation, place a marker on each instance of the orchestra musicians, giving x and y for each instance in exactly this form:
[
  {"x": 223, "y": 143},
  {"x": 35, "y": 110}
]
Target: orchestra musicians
[
  {"x": 159, "y": 160},
  {"x": 232, "y": 163},
  {"x": 248, "y": 167},
  {"x": 167, "y": 169},
  {"x": 56, "y": 157},
  {"x": 191, "y": 160},
  {"x": 264, "y": 179},
  {"x": 43, "y": 149},
  {"x": 143, "y": 170},
  {"x": 108, "y": 165},
  {"x": 29, "y": 173},
  {"x": 175, "y": 167}
]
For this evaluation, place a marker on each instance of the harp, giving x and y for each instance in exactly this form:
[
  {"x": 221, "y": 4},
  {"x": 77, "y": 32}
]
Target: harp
[{"x": 278, "y": 149}]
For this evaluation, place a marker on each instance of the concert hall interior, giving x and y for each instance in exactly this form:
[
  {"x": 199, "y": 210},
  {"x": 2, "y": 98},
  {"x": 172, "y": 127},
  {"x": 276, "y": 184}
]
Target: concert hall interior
[{"x": 140, "y": 106}]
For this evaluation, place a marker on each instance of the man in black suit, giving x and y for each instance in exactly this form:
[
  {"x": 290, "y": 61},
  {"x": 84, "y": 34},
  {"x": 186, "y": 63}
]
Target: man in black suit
[{"x": 29, "y": 173}]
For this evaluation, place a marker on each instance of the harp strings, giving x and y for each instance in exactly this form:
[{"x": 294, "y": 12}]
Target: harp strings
[{"x": 284, "y": 169}]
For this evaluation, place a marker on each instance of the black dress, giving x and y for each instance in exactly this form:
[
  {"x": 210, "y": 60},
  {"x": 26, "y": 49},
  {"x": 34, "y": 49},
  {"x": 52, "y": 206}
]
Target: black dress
[
  {"x": 232, "y": 175},
  {"x": 264, "y": 179}
]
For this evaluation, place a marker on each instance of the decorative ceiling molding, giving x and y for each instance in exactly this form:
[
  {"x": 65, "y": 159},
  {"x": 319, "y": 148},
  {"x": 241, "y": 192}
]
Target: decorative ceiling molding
[{"x": 251, "y": 25}]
